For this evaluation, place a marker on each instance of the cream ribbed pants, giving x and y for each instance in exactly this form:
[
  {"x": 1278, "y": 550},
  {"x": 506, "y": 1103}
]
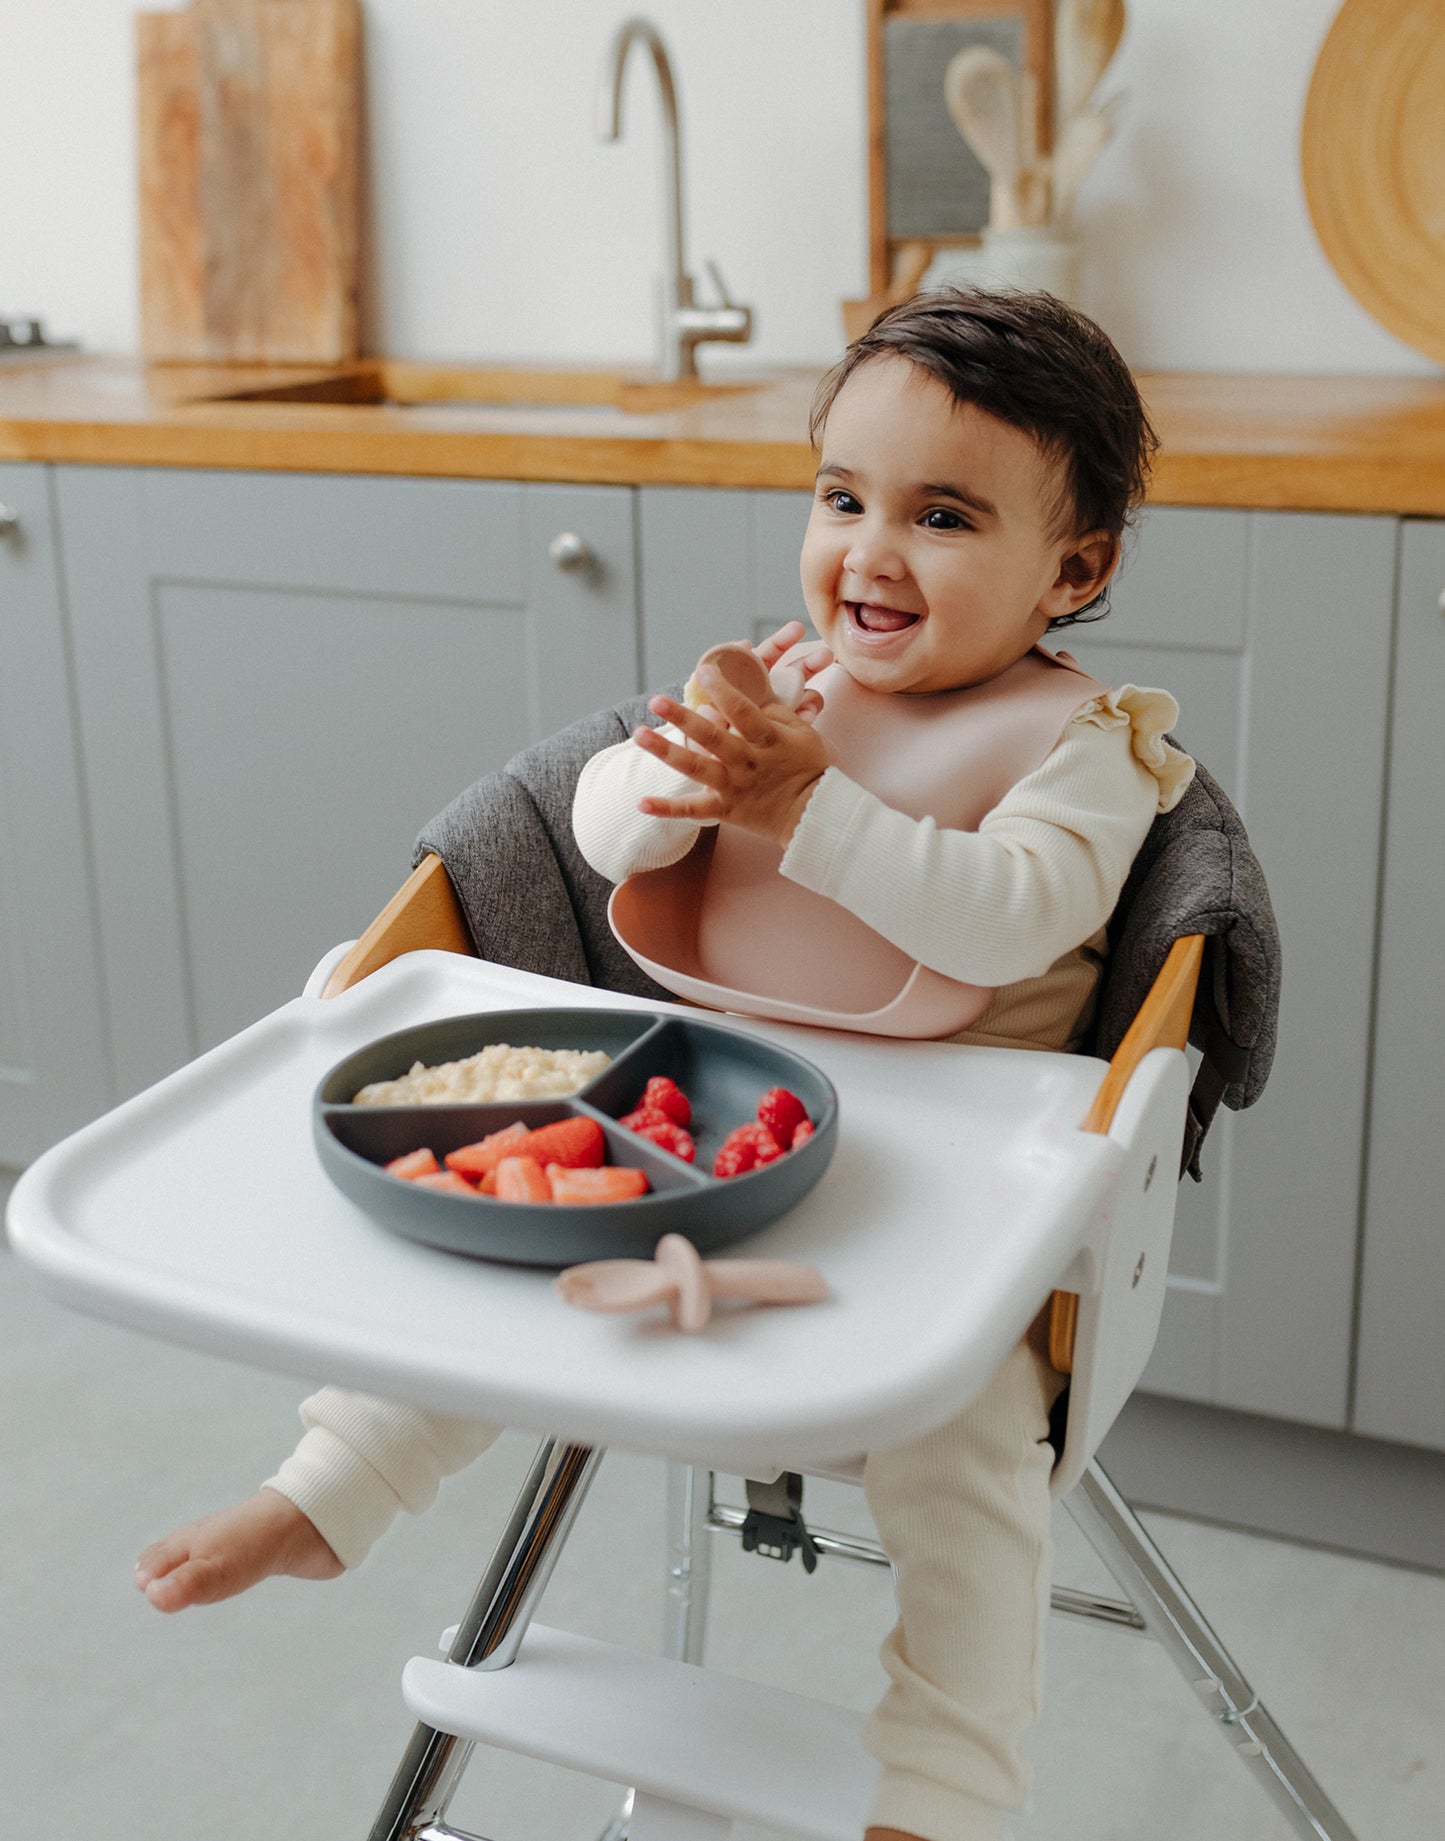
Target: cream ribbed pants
[{"x": 964, "y": 1514}]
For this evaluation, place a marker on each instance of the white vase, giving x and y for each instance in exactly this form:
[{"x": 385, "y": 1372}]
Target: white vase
[{"x": 1028, "y": 256}]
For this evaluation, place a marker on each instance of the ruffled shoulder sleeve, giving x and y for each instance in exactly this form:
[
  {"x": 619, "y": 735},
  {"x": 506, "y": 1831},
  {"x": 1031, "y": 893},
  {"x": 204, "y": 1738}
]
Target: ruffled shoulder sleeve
[{"x": 1147, "y": 714}]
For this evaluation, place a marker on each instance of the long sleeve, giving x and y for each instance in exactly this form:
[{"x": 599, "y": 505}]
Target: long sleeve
[
  {"x": 363, "y": 1459},
  {"x": 1042, "y": 872}
]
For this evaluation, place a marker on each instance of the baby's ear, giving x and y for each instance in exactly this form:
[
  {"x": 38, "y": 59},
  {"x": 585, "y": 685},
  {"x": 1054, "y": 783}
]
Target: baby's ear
[{"x": 1088, "y": 566}]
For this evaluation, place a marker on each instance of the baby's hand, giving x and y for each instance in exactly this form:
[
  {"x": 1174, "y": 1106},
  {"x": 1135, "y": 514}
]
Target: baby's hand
[
  {"x": 229, "y": 1552},
  {"x": 755, "y": 766},
  {"x": 807, "y": 664}
]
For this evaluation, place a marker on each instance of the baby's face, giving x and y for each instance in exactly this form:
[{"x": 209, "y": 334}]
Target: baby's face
[{"x": 931, "y": 561}]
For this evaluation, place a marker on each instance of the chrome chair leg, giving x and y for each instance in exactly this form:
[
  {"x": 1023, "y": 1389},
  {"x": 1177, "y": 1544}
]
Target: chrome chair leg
[
  {"x": 689, "y": 1562},
  {"x": 1175, "y": 1621},
  {"x": 490, "y": 1634},
  {"x": 620, "y": 1827},
  {"x": 689, "y": 1575}
]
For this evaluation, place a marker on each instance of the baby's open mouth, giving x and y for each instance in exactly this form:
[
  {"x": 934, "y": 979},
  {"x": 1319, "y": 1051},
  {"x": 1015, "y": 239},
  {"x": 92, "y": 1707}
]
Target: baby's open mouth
[{"x": 875, "y": 619}]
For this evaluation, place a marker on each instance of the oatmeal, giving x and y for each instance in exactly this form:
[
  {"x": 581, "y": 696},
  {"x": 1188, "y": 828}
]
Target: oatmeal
[{"x": 498, "y": 1072}]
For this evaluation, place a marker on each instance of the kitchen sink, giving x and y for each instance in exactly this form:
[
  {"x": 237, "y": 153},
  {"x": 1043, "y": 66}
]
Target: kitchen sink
[{"x": 386, "y": 383}]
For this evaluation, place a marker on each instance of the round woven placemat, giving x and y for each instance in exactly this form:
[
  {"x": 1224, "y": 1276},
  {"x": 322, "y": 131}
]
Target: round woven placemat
[{"x": 1373, "y": 162}]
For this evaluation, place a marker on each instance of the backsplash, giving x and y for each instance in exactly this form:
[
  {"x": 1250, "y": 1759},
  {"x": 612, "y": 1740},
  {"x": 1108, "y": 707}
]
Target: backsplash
[{"x": 499, "y": 227}]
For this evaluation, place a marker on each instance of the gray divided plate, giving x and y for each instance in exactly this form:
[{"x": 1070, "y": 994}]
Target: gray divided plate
[{"x": 723, "y": 1072}]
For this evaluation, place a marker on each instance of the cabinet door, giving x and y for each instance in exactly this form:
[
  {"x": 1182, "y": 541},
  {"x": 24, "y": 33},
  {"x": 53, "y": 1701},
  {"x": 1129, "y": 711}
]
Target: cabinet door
[
  {"x": 1401, "y": 1375},
  {"x": 716, "y": 564},
  {"x": 1273, "y": 631},
  {"x": 281, "y": 678},
  {"x": 54, "y": 1071}
]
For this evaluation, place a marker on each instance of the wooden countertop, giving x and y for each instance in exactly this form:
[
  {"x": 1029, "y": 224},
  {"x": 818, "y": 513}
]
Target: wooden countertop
[{"x": 1296, "y": 442}]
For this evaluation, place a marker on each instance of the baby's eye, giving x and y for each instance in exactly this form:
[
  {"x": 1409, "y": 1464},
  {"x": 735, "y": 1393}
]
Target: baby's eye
[
  {"x": 941, "y": 519},
  {"x": 839, "y": 500}
]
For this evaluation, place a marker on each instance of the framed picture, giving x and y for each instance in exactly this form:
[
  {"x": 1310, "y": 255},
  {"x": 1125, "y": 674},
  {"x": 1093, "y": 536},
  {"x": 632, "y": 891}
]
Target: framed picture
[{"x": 926, "y": 187}]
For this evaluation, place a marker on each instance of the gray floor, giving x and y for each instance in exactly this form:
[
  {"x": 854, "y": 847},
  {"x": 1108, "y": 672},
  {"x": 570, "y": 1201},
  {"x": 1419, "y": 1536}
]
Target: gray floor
[{"x": 280, "y": 1712}]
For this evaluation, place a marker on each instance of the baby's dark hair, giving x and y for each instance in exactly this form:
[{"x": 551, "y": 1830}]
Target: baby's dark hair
[{"x": 1040, "y": 366}]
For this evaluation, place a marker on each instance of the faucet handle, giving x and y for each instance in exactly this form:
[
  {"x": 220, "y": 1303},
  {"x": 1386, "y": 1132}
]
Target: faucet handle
[
  {"x": 724, "y": 298},
  {"x": 727, "y": 322}
]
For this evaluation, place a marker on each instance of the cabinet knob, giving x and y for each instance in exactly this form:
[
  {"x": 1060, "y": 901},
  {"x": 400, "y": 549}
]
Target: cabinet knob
[
  {"x": 9, "y": 521},
  {"x": 570, "y": 552},
  {"x": 1440, "y": 603}
]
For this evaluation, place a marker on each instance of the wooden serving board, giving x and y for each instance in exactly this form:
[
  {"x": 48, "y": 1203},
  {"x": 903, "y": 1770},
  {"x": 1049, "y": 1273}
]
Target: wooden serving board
[
  {"x": 248, "y": 116},
  {"x": 1373, "y": 162}
]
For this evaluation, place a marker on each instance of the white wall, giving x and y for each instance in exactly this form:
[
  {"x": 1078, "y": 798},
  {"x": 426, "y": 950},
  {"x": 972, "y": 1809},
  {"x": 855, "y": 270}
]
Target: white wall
[{"x": 501, "y": 228}]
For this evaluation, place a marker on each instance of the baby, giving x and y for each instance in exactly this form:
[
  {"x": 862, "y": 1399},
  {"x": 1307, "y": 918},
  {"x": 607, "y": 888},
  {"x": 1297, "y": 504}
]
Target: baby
[{"x": 955, "y": 810}]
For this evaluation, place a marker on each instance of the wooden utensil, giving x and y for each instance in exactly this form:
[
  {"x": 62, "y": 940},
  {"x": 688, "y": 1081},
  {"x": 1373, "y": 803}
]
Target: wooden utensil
[
  {"x": 248, "y": 115},
  {"x": 982, "y": 91},
  {"x": 1086, "y": 36},
  {"x": 1373, "y": 162},
  {"x": 1034, "y": 187},
  {"x": 1082, "y": 139}
]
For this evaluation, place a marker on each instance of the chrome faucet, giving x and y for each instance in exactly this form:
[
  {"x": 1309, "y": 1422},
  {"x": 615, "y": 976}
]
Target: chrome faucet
[{"x": 683, "y": 325}]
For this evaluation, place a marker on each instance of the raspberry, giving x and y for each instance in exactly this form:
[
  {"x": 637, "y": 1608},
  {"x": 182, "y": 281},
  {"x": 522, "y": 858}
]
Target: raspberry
[
  {"x": 644, "y": 1116},
  {"x": 745, "y": 1149},
  {"x": 802, "y": 1134},
  {"x": 670, "y": 1137},
  {"x": 782, "y": 1112},
  {"x": 668, "y": 1097},
  {"x": 769, "y": 1150},
  {"x": 734, "y": 1159}
]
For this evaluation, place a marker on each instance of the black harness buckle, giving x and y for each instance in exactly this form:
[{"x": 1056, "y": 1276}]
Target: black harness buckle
[{"x": 774, "y": 1526}]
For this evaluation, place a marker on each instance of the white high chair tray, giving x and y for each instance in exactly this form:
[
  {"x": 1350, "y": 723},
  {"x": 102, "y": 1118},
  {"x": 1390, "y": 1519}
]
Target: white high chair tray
[{"x": 959, "y": 1192}]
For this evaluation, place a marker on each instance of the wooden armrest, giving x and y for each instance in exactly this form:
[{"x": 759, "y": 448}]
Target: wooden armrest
[
  {"x": 1162, "y": 1022},
  {"x": 424, "y": 912}
]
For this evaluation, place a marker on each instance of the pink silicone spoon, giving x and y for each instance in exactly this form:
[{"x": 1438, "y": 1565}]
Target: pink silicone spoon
[{"x": 687, "y": 1284}]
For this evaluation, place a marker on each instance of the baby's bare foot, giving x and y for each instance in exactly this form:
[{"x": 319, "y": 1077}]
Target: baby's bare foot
[{"x": 232, "y": 1550}]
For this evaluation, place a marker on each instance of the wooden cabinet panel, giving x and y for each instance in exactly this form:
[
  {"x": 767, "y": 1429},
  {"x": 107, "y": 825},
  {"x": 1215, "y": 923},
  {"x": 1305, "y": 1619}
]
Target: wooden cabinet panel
[
  {"x": 54, "y": 1058},
  {"x": 281, "y": 679},
  {"x": 1400, "y": 1387}
]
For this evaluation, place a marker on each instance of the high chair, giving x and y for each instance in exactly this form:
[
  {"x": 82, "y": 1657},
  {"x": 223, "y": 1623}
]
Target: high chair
[{"x": 701, "y": 1750}]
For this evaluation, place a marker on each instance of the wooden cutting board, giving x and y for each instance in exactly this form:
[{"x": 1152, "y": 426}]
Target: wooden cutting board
[
  {"x": 248, "y": 115},
  {"x": 1373, "y": 162}
]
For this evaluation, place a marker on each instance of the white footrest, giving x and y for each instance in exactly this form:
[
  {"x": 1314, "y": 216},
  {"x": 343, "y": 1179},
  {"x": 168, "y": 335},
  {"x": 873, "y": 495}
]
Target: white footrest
[{"x": 689, "y": 1735}]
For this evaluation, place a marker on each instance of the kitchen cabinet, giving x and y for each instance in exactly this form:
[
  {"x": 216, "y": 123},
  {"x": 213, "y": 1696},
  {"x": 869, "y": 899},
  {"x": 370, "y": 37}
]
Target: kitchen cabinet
[
  {"x": 715, "y": 565},
  {"x": 274, "y": 679},
  {"x": 1401, "y": 1381},
  {"x": 54, "y": 1066},
  {"x": 279, "y": 678},
  {"x": 1273, "y": 631}
]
